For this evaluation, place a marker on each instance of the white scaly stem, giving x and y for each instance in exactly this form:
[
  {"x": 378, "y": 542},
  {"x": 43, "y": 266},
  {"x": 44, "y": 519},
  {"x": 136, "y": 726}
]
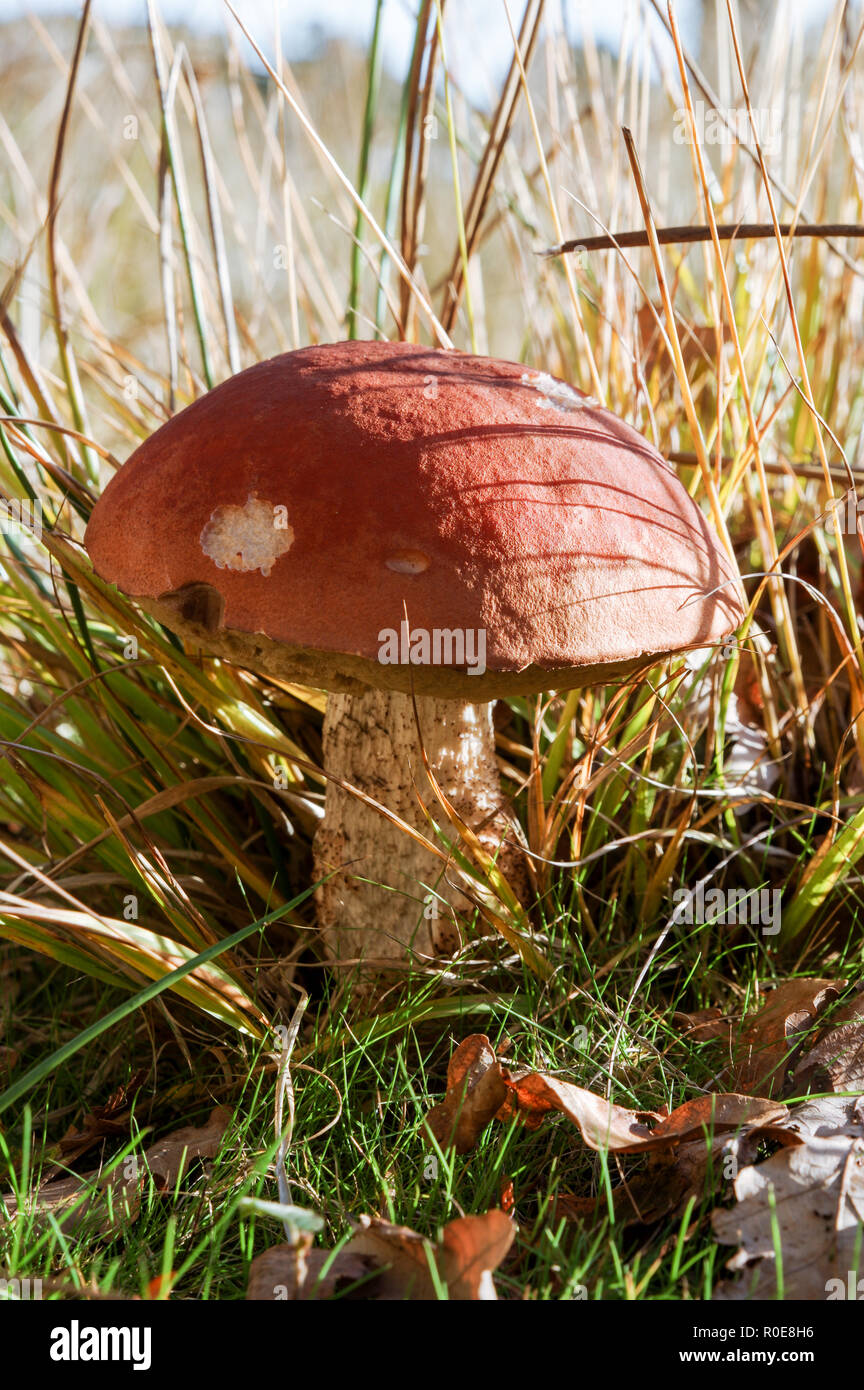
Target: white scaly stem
[{"x": 390, "y": 905}]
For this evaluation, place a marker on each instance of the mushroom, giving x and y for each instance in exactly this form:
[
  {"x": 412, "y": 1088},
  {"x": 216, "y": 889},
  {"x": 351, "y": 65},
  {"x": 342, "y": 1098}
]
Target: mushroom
[{"x": 393, "y": 524}]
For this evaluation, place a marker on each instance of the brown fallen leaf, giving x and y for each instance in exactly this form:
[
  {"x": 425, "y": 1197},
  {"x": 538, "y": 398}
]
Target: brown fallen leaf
[
  {"x": 602, "y": 1125},
  {"x": 574, "y": 1206},
  {"x": 675, "y": 1172},
  {"x": 159, "y": 1288},
  {"x": 764, "y": 1046},
  {"x": 108, "y": 1121},
  {"x": 507, "y": 1196},
  {"x": 704, "y": 1025},
  {"x": 477, "y": 1081},
  {"x": 659, "y": 1188},
  {"x": 474, "y": 1247},
  {"x": 675, "y": 1175},
  {"x": 839, "y": 1053},
  {"x": 607, "y": 1126},
  {"x": 168, "y": 1158},
  {"x": 719, "y": 1112},
  {"x": 748, "y": 688},
  {"x": 475, "y": 1093},
  {"x": 698, "y": 343},
  {"x": 810, "y": 1196},
  {"x": 108, "y": 1200},
  {"x": 113, "y": 1199},
  {"x": 291, "y": 1272},
  {"x": 682, "y": 1146},
  {"x": 389, "y": 1263}
]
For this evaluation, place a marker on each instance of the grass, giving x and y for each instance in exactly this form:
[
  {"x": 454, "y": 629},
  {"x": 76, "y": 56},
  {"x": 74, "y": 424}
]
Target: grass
[
  {"x": 375, "y": 1159},
  {"x": 155, "y": 805}
]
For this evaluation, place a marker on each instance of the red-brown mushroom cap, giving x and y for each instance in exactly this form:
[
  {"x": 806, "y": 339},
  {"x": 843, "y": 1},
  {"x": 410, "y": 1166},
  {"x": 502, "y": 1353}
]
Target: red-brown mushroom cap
[{"x": 300, "y": 509}]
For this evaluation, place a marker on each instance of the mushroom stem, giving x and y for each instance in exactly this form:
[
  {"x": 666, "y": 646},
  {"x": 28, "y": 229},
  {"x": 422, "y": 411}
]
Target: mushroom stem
[{"x": 392, "y": 904}]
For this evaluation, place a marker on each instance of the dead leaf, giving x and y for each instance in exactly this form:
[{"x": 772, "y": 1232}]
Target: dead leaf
[
  {"x": 475, "y": 1093},
  {"x": 108, "y": 1121},
  {"x": 389, "y": 1263},
  {"x": 719, "y": 1112},
  {"x": 748, "y": 689},
  {"x": 159, "y": 1288},
  {"x": 477, "y": 1081},
  {"x": 607, "y": 1126},
  {"x": 474, "y": 1247},
  {"x": 169, "y": 1157},
  {"x": 280, "y": 1273},
  {"x": 601, "y": 1124},
  {"x": 767, "y": 1039},
  {"x": 703, "y": 1025},
  {"x": 810, "y": 1195},
  {"x": 574, "y": 1207},
  {"x": 114, "y": 1199},
  {"x": 108, "y": 1200},
  {"x": 839, "y": 1054},
  {"x": 677, "y": 1171},
  {"x": 817, "y": 1192}
]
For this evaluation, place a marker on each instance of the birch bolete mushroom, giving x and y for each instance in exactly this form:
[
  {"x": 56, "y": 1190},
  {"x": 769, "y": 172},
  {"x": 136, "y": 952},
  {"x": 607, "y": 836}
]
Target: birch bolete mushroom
[{"x": 387, "y": 521}]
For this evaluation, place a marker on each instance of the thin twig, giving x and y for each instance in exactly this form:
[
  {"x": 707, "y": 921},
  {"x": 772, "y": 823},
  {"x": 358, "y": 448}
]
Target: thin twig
[
  {"x": 726, "y": 231},
  {"x": 788, "y": 467}
]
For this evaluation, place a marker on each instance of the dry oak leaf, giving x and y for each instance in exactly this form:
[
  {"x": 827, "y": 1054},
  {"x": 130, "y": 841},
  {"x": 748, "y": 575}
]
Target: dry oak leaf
[
  {"x": 602, "y": 1125},
  {"x": 813, "y": 1194},
  {"x": 839, "y": 1053},
  {"x": 836, "y": 1065},
  {"x": 168, "y": 1158},
  {"x": 109, "y": 1200},
  {"x": 674, "y": 1174},
  {"x": 479, "y": 1088},
  {"x": 762, "y": 1049},
  {"x": 389, "y": 1263},
  {"x": 476, "y": 1090},
  {"x": 106, "y": 1121},
  {"x": 289, "y": 1272},
  {"x": 607, "y": 1126},
  {"x": 704, "y": 1025},
  {"x": 115, "y": 1198}
]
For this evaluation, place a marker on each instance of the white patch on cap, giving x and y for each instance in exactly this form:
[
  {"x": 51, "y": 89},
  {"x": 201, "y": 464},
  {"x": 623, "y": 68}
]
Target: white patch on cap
[
  {"x": 556, "y": 395},
  {"x": 407, "y": 562},
  {"x": 247, "y": 538}
]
